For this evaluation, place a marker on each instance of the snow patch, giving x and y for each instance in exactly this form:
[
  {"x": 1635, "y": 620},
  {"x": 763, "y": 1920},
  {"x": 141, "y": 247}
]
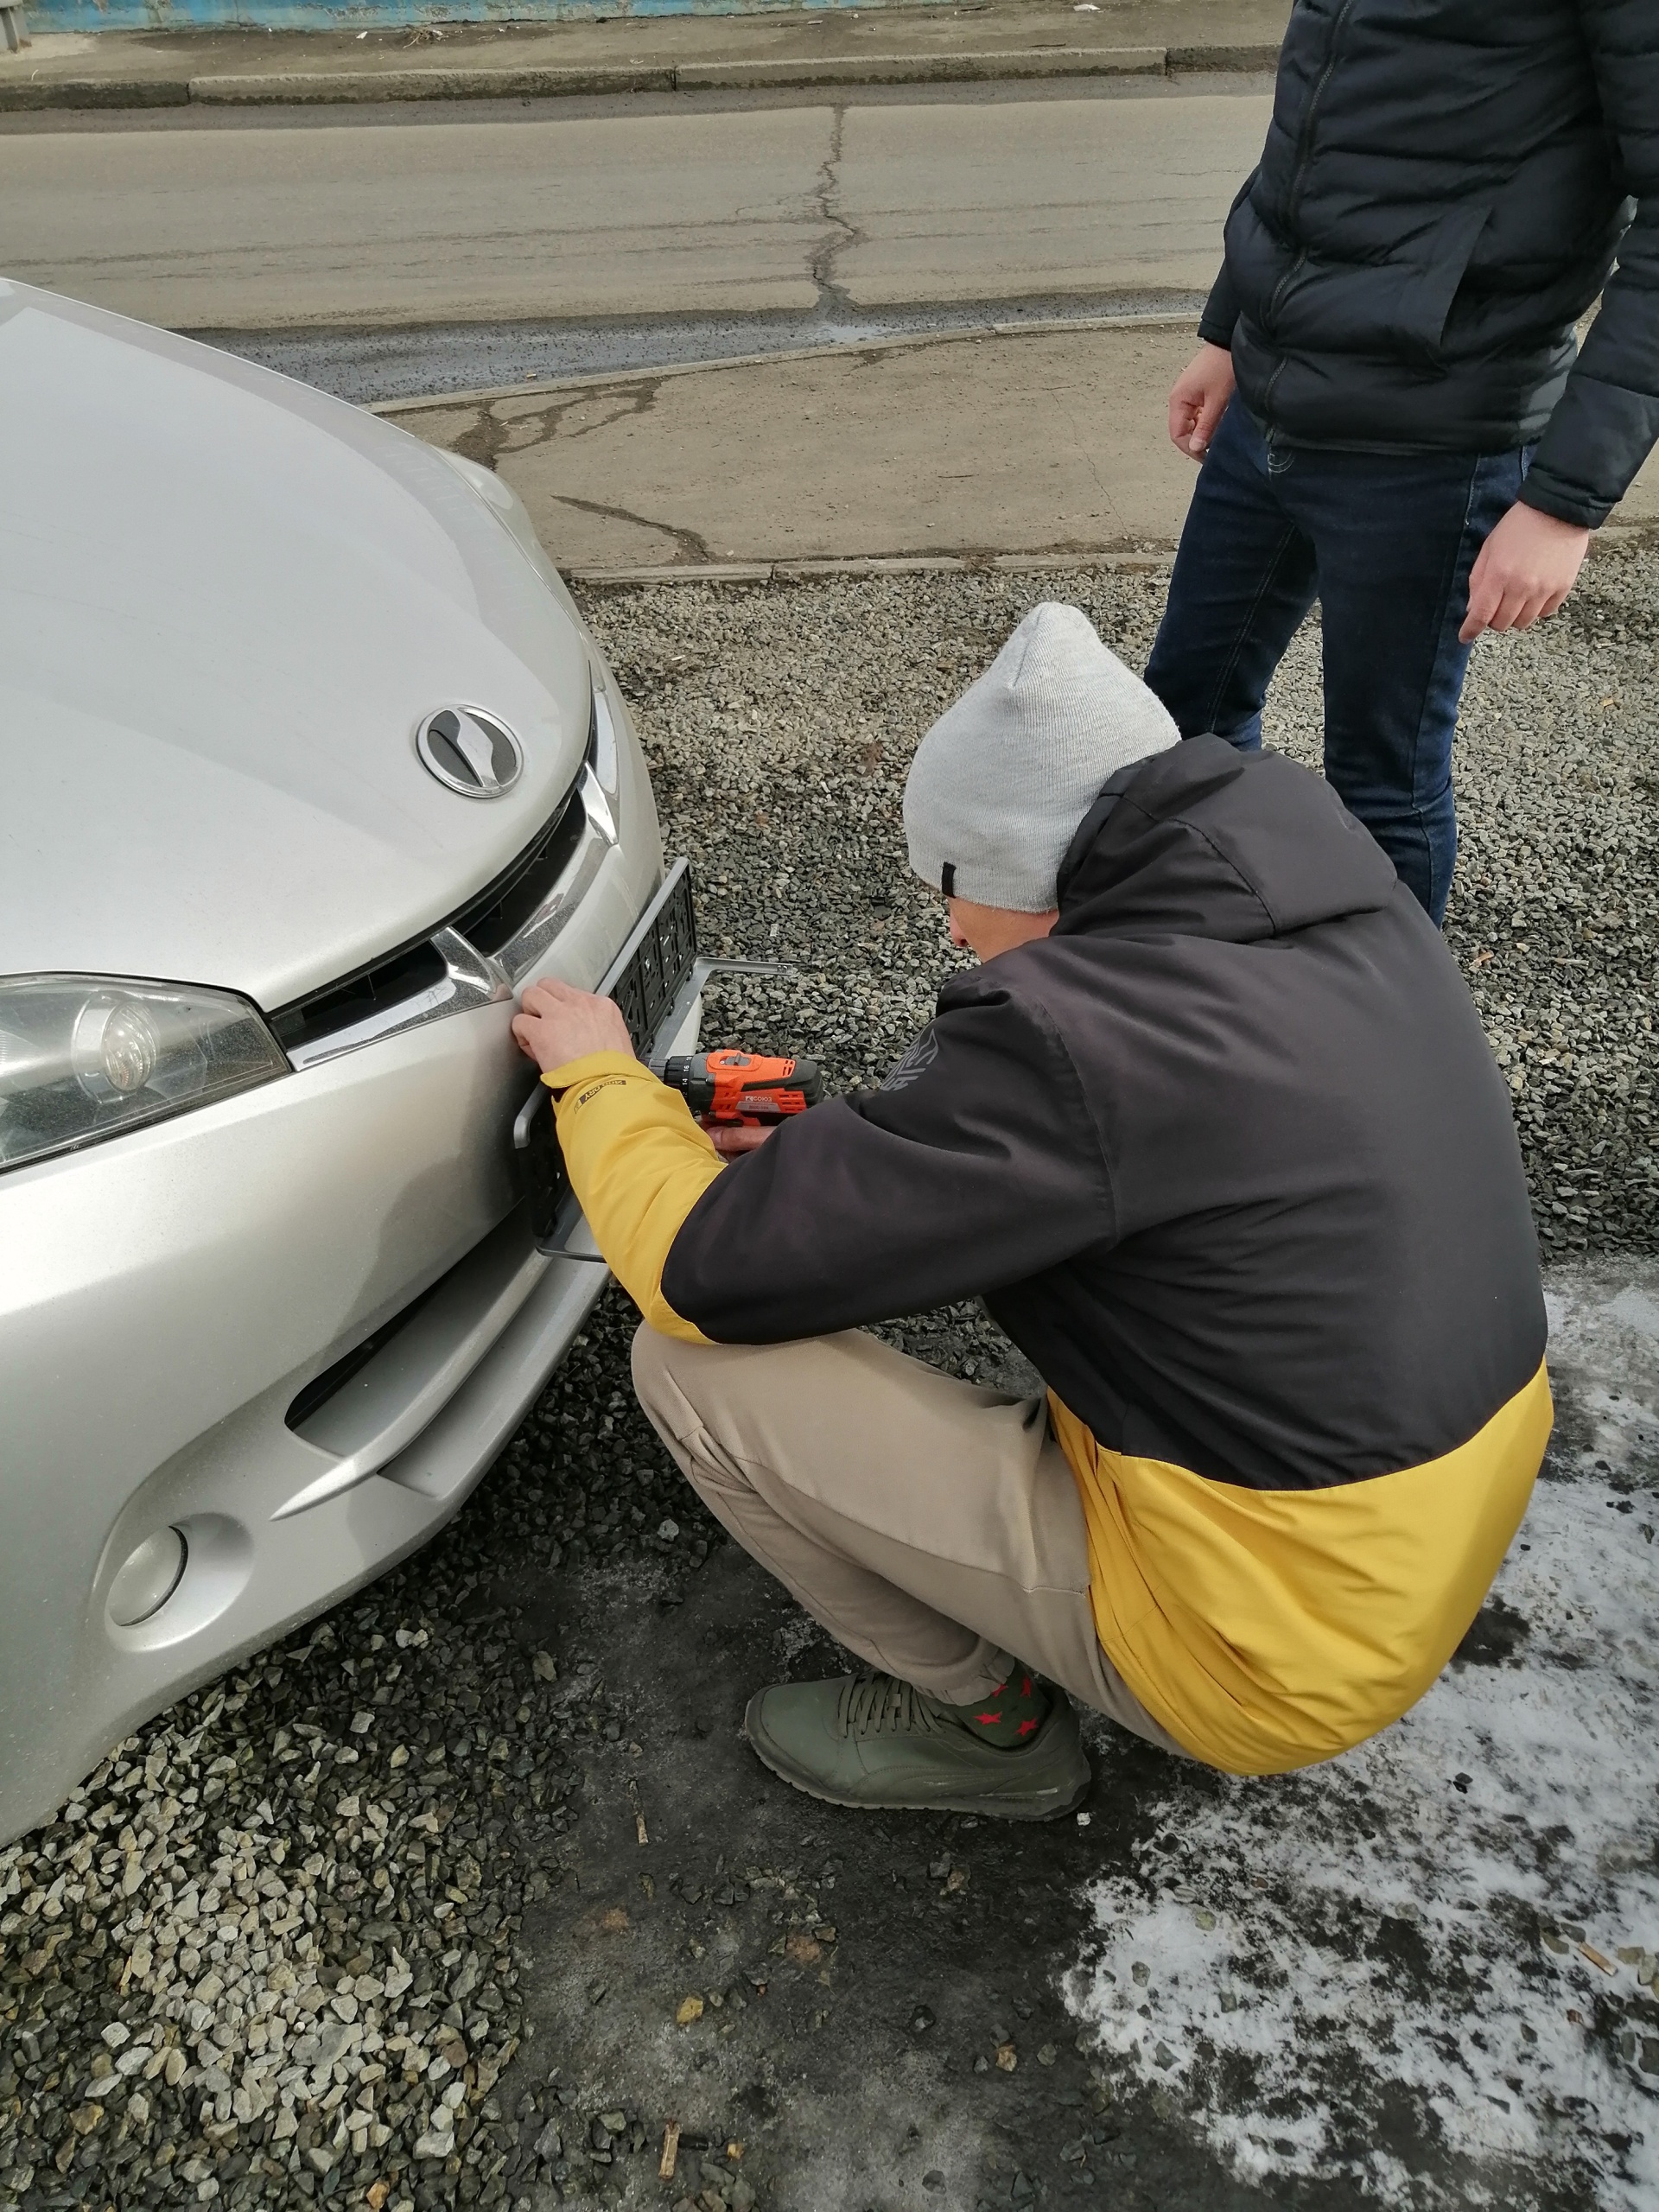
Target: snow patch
[
  {"x": 1635, "y": 1309},
  {"x": 1379, "y": 1968}
]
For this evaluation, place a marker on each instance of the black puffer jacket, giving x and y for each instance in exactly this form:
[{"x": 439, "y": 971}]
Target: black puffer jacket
[{"x": 1444, "y": 187}]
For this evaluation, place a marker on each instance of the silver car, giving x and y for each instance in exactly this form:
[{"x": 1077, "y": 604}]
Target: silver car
[{"x": 308, "y": 763}]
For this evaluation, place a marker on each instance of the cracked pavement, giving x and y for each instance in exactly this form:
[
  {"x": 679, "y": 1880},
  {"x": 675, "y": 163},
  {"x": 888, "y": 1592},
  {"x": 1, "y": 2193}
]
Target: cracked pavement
[{"x": 841, "y": 235}]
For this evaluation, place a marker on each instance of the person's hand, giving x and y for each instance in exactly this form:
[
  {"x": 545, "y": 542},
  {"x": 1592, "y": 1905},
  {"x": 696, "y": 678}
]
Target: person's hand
[
  {"x": 1524, "y": 571},
  {"x": 557, "y": 1024},
  {"x": 1197, "y": 399},
  {"x": 733, "y": 1143}
]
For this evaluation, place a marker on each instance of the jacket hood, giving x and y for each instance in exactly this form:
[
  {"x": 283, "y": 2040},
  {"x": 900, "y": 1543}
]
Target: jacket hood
[{"x": 1205, "y": 840}]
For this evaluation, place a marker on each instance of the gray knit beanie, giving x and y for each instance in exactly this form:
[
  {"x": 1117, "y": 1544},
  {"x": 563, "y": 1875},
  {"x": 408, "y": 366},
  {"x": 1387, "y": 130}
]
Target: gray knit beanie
[{"x": 1000, "y": 782}]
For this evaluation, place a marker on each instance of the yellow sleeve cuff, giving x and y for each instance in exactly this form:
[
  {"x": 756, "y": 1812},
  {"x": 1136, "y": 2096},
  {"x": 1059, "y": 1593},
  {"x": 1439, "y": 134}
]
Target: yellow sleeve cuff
[{"x": 578, "y": 1070}]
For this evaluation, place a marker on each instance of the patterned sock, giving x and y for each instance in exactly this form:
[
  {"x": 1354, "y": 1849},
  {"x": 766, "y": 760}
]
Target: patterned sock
[{"x": 1012, "y": 1716}]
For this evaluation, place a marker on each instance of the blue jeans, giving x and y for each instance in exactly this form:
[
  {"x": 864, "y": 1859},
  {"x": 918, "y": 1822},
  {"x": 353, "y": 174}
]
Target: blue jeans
[{"x": 1385, "y": 543}]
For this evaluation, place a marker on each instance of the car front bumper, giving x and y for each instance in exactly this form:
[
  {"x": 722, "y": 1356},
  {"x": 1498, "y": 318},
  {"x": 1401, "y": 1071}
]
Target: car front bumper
[{"x": 166, "y": 1297}]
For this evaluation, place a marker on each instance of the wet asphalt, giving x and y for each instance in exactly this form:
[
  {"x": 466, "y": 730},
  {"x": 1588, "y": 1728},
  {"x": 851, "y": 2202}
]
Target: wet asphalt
[{"x": 370, "y": 365}]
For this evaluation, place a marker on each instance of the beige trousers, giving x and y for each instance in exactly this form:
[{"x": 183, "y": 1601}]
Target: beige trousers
[{"x": 931, "y": 1526}]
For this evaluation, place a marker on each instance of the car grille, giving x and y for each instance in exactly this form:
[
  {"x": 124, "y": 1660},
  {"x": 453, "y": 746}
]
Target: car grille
[
  {"x": 387, "y": 982},
  {"x": 492, "y": 920},
  {"x": 488, "y": 922}
]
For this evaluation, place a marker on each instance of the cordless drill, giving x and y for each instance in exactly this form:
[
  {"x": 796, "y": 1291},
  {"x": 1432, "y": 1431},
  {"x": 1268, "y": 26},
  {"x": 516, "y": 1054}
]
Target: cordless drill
[{"x": 741, "y": 1090}]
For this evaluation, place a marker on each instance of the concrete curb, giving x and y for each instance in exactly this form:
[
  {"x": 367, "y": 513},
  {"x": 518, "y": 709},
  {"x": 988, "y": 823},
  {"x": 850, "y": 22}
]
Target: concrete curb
[
  {"x": 1184, "y": 61},
  {"x": 684, "y": 76},
  {"x": 588, "y": 379},
  {"x": 41, "y": 93},
  {"x": 853, "y": 566},
  {"x": 351, "y": 86},
  {"x": 804, "y": 572}
]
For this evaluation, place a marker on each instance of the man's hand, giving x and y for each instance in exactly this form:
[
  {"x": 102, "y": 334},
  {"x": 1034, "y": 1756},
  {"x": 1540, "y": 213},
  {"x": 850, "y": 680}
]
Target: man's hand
[
  {"x": 731, "y": 1144},
  {"x": 1197, "y": 399},
  {"x": 1524, "y": 571},
  {"x": 558, "y": 1023}
]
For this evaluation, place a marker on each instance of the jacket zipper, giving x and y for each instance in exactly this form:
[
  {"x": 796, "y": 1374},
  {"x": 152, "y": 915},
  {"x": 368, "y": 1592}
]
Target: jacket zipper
[{"x": 1304, "y": 155}]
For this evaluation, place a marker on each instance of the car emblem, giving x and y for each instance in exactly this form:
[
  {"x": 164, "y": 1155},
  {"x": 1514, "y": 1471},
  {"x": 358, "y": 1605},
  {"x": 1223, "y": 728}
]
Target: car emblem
[{"x": 470, "y": 751}]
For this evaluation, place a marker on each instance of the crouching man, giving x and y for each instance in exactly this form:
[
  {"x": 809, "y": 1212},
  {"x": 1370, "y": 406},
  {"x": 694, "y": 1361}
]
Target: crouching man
[{"x": 1214, "y": 1131}]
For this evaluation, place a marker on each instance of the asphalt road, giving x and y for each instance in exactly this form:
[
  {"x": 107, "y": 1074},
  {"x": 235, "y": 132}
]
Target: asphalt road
[{"x": 670, "y": 206}]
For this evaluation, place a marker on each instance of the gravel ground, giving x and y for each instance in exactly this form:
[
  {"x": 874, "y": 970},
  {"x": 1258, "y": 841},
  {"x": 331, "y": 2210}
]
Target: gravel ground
[
  {"x": 464, "y": 1892},
  {"x": 1554, "y": 916}
]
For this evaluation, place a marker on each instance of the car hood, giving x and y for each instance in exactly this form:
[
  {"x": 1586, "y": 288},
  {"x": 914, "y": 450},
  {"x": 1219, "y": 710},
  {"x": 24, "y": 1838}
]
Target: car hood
[{"x": 226, "y": 603}]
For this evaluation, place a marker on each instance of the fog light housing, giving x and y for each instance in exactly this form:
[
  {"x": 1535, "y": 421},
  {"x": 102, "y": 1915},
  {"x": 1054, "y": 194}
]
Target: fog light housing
[{"x": 148, "y": 1577}]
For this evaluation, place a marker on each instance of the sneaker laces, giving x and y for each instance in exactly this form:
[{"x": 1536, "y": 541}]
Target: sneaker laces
[{"x": 872, "y": 1704}]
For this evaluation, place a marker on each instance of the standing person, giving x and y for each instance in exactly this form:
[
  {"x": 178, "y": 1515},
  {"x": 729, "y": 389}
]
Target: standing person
[
  {"x": 1386, "y": 405},
  {"x": 1215, "y": 1131}
]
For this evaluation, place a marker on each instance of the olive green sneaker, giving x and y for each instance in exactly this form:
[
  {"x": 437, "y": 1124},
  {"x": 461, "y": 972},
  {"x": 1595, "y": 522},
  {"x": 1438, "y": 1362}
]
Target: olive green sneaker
[{"x": 870, "y": 1740}]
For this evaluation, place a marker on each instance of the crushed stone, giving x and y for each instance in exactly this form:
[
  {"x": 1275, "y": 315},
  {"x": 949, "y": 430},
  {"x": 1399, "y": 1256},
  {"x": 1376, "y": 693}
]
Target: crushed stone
[{"x": 273, "y": 1952}]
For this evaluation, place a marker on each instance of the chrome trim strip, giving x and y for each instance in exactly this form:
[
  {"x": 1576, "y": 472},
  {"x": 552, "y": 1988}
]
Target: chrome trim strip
[
  {"x": 603, "y": 753},
  {"x": 471, "y": 969},
  {"x": 470, "y": 980},
  {"x": 595, "y": 806},
  {"x": 523, "y": 952}
]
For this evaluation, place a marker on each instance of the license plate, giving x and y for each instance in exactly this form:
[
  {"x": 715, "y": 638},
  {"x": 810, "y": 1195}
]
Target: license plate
[
  {"x": 649, "y": 980},
  {"x": 654, "y": 966}
]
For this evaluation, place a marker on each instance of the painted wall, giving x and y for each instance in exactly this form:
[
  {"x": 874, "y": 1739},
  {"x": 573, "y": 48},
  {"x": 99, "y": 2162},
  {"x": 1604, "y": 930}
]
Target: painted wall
[{"x": 381, "y": 15}]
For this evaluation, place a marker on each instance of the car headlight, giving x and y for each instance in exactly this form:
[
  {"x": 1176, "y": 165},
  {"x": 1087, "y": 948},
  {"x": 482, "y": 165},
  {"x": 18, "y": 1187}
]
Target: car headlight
[{"x": 85, "y": 1057}]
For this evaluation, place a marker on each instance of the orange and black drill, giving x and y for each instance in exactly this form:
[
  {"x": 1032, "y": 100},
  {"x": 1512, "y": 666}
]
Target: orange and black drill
[{"x": 741, "y": 1090}]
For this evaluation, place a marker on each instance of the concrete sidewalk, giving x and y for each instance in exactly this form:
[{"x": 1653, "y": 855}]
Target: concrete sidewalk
[
  {"x": 897, "y": 44},
  {"x": 1002, "y": 445},
  {"x": 997, "y": 444}
]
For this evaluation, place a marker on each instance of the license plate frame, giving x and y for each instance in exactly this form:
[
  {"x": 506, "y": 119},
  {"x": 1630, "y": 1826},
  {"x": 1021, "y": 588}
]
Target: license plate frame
[{"x": 654, "y": 981}]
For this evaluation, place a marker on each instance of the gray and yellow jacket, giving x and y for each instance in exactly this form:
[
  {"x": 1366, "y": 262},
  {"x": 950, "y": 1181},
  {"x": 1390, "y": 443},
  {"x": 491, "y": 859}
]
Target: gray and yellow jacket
[{"x": 1228, "y": 1157}]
